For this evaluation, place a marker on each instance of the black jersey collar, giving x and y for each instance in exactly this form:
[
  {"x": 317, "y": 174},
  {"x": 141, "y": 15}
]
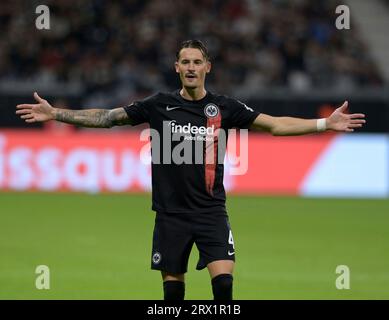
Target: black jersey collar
[{"x": 186, "y": 101}]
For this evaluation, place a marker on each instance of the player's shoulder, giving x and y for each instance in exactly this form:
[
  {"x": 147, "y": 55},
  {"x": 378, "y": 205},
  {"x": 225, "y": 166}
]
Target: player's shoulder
[
  {"x": 226, "y": 100},
  {"x": 232, "y": 103},
  {"x": 163, "y": 97},
  {"x": 152, "y": 98}
]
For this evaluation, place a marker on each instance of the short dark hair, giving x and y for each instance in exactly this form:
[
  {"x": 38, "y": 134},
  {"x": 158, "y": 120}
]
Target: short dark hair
[{"x": 197, "y": 44}]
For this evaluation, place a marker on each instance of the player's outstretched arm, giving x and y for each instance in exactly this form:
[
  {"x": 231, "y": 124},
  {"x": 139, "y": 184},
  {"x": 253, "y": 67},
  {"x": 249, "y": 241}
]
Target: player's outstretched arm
[
  {"x": 288, "y": 126},
  {"x": 92, "y": 118}
]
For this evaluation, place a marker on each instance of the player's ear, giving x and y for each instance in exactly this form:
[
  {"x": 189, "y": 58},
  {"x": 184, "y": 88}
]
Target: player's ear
[
  {"x": 176, "y": 67},
  {"x": 209, "y": 66}
]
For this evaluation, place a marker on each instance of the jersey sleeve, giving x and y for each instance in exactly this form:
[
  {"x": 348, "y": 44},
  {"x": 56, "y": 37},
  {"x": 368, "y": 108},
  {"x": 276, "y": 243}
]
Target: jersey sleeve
[
  {"x": 139, "y": 111},
  {"x": 241, "y": 115}
]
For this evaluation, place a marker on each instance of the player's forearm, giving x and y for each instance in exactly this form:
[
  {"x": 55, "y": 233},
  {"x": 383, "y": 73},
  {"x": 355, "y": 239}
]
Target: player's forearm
[
  {"x": 92, "y": 118},
  {"x": 288, "y": 126}
]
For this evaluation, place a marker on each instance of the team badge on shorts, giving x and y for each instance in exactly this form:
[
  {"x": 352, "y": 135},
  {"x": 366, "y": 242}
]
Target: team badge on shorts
[
  {"x": 157, "y": 258},
  {"x": 211, "y": 110}
]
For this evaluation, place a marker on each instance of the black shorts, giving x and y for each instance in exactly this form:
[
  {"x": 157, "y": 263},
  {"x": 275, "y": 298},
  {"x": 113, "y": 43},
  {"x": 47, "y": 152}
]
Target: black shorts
[{"x": 174, "y": 235}]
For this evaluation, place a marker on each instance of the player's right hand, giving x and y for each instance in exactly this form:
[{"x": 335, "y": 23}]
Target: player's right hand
[
  {"x": 341, "y": 121},
  {"x": 42, "y": 111}
]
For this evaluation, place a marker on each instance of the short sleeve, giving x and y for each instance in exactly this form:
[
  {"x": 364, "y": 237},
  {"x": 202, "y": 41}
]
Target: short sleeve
[
  {"x": 241, "y": 116},
  {"x": 139, "y": 111}
]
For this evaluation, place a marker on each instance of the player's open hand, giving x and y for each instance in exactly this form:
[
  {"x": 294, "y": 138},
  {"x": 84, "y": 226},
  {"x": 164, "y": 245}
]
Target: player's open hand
[
  {"x": 41, "y": 111},
  {"x": 341, "y": 121}
]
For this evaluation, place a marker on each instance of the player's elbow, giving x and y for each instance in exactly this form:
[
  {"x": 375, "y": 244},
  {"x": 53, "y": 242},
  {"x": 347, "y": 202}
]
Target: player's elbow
[
  {"x": 280, "y": 133},
  {"x": 282, "y": 127},
  {"x": 101, "y": 125},
  {"x": 274, "y": 132},
  {"x": 275, "y": 126},
  {"x": 277, "y": 130}
]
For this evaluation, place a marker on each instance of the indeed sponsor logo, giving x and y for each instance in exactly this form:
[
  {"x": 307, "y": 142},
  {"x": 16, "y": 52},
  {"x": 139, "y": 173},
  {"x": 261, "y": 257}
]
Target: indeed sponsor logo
[{"x": 189, "y": 128}]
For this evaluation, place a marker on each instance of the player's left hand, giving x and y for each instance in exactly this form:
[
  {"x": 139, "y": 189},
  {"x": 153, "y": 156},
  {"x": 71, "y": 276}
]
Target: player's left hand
[{"x": 344, "y": 122}]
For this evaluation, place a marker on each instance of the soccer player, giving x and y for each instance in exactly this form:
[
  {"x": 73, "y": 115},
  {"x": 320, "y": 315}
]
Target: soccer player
[{"x": 189, "y": 199}]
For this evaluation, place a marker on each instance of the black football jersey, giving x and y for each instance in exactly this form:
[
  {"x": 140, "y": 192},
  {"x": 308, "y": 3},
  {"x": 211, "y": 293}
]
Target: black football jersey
[{"x": 188, "y": 149}]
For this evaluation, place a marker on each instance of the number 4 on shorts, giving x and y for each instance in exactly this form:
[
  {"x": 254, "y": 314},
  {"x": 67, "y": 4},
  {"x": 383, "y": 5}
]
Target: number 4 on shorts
[{"x": 231, "y": 240}]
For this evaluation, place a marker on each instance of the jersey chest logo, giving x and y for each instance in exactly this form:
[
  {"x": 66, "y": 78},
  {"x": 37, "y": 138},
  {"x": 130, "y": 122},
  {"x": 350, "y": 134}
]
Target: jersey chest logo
[{"x": 211, "y": 110}]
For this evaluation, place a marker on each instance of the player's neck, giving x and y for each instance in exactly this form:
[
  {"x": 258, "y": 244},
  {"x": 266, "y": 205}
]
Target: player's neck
[{"x": 193, "y": 94}]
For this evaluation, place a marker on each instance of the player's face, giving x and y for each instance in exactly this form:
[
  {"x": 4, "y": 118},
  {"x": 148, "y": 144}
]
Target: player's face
[{"x": 192, "y": 67}]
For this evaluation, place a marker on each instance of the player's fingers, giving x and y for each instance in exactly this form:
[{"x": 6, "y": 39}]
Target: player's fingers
[
  {"x": 343, "y": 107},
  {"x": 356, "y": 115},
  {"x": 30, "y": 120},
  {"x": 23, "y": 111},
  {"x": 25, "y": 106},
  {"x": 349, "y": 130},
  {"x": 27, "y": 116},
  {"x": 358, "y": 121},
  {"x": 38, "y": 98},
  {"x": 357, "y": 125}
]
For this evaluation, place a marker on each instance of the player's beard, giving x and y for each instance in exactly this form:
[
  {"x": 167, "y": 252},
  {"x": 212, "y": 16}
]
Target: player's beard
[{"x": 192, "y": 84}]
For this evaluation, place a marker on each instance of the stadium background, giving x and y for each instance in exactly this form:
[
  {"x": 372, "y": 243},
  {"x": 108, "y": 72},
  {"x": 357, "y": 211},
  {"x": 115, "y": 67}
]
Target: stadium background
[{"x": 306, "y": 204}]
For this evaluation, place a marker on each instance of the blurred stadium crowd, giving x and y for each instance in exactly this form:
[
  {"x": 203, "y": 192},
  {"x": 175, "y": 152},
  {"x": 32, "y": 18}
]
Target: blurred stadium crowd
[{"x": 128, "y": 47}]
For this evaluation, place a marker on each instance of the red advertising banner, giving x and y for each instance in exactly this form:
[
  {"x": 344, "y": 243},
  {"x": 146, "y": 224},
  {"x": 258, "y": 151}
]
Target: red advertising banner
[
  {"x": 280, "y": 164},
  {"x": 120, "y": 162}
]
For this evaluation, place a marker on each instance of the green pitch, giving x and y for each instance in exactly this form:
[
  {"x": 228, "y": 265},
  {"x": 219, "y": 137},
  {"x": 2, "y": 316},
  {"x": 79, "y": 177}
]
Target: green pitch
[{"x": 98, "y": 247}]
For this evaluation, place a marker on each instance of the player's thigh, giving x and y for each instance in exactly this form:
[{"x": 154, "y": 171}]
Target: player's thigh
[
  {"x": 172, "y": 244},
  {"x": 218, "y": 267},
  {"x": 167, "y": 276},
  {"x": 213, "y": 238}
]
